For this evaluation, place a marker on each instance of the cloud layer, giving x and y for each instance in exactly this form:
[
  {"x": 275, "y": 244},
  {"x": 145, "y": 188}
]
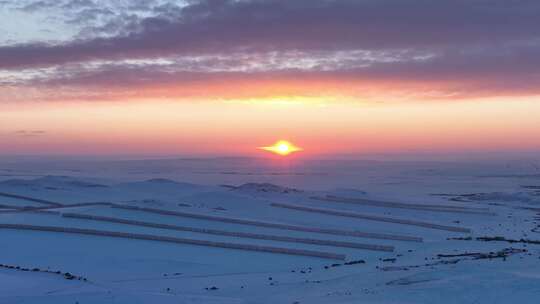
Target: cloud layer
[{"x": 458, "y": 48}]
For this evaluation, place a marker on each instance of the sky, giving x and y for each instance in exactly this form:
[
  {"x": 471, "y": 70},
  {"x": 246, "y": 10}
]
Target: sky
[{"x": 224, "y": 77}]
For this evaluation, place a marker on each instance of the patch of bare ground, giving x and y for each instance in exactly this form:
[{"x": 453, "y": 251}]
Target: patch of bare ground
[{"x": 65, "y": 275}]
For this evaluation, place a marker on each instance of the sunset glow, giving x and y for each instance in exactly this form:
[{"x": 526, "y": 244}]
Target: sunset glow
[
  {"x": 282, "y": 147},
  {"x": 168, "y": 88}
]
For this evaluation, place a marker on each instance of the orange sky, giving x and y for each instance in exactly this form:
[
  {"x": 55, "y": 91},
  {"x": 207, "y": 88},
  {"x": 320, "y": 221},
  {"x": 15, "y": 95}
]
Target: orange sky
[
  {"x": 238, "y": 127},
  {"x": 201, "y": 78}
]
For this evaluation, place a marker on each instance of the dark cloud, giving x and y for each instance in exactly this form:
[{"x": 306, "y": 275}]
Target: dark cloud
[
  {"x": 308, "y": 25},
  {"x": 453, "y": 72},
  {"x": 78, "y": 4},
  {"x": 469, "y": 43}
]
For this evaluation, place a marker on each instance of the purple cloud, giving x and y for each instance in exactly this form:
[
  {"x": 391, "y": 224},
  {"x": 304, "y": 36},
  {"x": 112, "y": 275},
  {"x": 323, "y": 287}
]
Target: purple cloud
[{"x": 471, "y": 44}]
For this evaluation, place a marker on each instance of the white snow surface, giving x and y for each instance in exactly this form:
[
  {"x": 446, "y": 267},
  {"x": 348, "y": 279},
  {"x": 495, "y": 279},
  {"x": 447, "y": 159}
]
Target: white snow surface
[{"x": 123, "y": 270}]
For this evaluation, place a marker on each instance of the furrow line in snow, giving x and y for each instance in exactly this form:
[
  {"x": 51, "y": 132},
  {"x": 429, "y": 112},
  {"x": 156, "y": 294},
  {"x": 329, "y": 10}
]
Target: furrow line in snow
[
  {"x": 274, "y": 225},
  {"x": 231, "y": 233},
  {"x": 30, "y": 199},
  {"x": 16, "y": 209},
  {"x": 432, "y": 208},
  {"x": 197, "y": 242},
  {"x": 372, "y": 217}
]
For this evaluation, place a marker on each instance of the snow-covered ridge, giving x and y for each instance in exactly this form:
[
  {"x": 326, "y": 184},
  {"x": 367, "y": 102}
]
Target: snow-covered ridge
[
  {"x": 52, "y": 182},
  {"x": 530, "y": 197},
  {"x": 263, "y": 187}
]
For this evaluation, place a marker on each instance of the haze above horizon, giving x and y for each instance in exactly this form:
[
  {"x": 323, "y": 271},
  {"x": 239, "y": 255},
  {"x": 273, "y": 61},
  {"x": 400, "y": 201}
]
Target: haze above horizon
[{"x": 222, "y": 78}]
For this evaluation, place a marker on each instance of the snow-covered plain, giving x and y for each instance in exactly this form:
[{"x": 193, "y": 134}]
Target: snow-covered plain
[{"x": 262, "y": 204}]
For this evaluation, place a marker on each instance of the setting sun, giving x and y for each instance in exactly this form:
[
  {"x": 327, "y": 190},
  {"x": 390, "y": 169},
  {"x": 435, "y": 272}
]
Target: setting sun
[{"x": 282, "y": 147}]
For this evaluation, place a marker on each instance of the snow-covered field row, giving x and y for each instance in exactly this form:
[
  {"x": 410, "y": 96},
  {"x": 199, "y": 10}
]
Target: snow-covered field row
[{"x": 97, "y": 240}]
